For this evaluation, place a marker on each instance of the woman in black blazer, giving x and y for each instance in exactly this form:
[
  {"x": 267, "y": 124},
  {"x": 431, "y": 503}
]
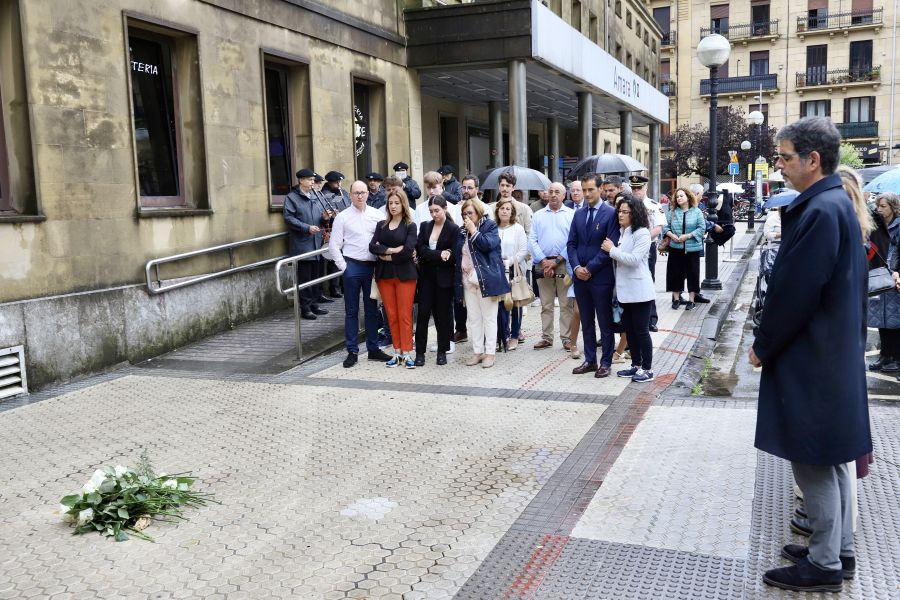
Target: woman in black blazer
[{"x": 436, "y": 272}]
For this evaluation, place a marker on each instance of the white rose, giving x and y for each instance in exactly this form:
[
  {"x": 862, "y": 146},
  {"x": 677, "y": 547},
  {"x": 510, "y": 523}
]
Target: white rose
[
  {"x": 170, "y": 484},
  {"x": 120, "y": 470},
  {"x": 88, "y": 488},
  {"x": 97, "y": 478},
  {"x": 64, "y": 513},
  {"x": 85, "y": 516}
]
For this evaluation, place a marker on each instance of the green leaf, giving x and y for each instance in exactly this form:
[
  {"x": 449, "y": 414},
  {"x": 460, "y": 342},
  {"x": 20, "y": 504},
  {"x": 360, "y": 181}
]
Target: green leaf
[
  {"x": 121, "y": 536},
  {"x": 123, "y": 514},
  {"x": 93, "y": 498},
  {"x": 108, "y": 486},
  {"x": 70, "y": 500}
]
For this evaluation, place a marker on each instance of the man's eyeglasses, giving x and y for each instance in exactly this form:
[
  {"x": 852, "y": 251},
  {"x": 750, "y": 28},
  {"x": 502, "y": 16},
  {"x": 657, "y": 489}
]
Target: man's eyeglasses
[
  {"x": 787, "y": 156},
  {"x": 359, "y": 193}
]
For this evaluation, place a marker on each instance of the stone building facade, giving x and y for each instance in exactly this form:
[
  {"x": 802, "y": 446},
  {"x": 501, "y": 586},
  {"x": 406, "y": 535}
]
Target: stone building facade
[{"x": 138, "y": 129}]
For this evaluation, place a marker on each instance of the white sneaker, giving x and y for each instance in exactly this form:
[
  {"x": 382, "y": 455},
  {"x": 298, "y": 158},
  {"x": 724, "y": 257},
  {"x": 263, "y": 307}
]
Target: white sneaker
[{"x": 452, "y": 349}]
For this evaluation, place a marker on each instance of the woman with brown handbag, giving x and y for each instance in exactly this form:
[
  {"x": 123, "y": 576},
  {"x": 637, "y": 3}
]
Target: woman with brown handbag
[{"x": 514, "y": 250}]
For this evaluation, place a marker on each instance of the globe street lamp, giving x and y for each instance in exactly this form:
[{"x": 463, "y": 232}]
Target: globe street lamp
[
  {"x": 713, "y": 52},
  {"x": 755, "y": 118}
]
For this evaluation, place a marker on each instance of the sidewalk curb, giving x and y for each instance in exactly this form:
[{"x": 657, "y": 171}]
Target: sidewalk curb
[{"x": 689, "y": 374}]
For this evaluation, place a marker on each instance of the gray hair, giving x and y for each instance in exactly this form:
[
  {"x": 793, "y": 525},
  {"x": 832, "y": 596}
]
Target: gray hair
[
  {"x": 892, "y": 200},
  {"x": 814, "y": 134},
  {"x": 615, "y": 180}
]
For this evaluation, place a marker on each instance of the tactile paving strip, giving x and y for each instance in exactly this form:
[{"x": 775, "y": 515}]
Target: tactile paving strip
[
  {"x": 878, "y": 532},
  {"x": 597, "y": 570}
]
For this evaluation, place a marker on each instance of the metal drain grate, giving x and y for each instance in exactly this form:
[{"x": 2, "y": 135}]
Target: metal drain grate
[{"x": 12, "y": 372}]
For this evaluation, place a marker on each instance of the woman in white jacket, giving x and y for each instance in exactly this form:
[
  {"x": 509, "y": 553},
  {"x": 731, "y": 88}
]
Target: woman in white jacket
[
  {"x": 634, "y": 285},
  {"x": 514, "y": 249}
]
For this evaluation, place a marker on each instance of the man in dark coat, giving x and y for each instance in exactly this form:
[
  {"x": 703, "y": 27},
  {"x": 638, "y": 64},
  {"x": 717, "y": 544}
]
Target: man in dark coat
[
  {"x": 452, "y": 188},
  {"x": 594, "y": 279},
  {"x": 303, "y": 217},
  {"x": 377, "y": 197},
  {"x": 336, "y": 199},
  {"x": 810, "y": 342},
  {"x": 413, "y": 193}
]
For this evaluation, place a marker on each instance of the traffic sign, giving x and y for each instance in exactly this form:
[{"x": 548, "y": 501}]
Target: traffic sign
[
  {"x": 734, "y": 168},
  {"x": 733, "y": 156}
]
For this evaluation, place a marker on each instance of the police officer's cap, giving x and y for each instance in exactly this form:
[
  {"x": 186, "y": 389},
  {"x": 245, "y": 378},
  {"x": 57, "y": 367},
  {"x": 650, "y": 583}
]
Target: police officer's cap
[
  {"x": 302, "y": 173},
  {"x": 319, "y": 178},
  {"x": 638, "y": 181},
  {"x": 374, "y": 176},
  {"x": 334, "y": 176},
  {"x": 401, "y": 166},
  {"x": 446, "y": 169}
]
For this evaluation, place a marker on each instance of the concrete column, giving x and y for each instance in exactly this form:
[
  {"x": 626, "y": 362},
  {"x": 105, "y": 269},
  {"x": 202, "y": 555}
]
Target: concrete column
[
  {"x": 518, "y": 114},
  {"x": 553, "y": 148},
  {"x": 496, "y": 134},
  {"x": 625, "y": 132},
  {"x": 585, "y": 124},
  {"x": 653, "y": 190},
  {"x": 597, "y": 142}
]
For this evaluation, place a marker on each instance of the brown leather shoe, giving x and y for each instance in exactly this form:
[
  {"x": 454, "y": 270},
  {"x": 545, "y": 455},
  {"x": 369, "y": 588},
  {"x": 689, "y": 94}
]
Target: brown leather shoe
[
  {"x": 567, "y": 346},
  {"x": 488, "y": 361},
  {"x": 583, "y": 368},
  {"x": 543, "y": 344},
  {"x": 474, "y": 360},
  {"x": 602, "y": 372}
]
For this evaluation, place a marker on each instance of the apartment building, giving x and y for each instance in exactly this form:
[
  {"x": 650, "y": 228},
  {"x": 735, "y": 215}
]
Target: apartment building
[{"x": 833, "y": 58}]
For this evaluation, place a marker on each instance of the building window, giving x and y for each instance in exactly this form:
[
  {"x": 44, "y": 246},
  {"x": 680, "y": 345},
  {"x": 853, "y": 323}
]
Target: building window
[
  {"x": 18, "y": 189},
  {"x": 759, "y": 15},
  {"x": 860, "y": 59},
  {"x": 815, "y": 108},
  {"x": 662, "y": 17},
  {"x": 628, "y": 59},
  {"x": 619, "y": 52},
  {"x": 759, "y": 63},
  {"x": 167, "y": 117},
  {"x": 576, "y": 15},
  {"x": 628, "y": 19},
  {"x": 155, "y": 119},
  {"x": 369, "y": 127},
  {"x": 288, "y": 121},
  {"x": 618, "y": 8},
  {"x": 859, "y": 110},
  {"x": 816, "y": 64},
  {"x": 638, "y": 29},
  {"x": 593, "y": 29},
  {"x": 718, "y": 18}
]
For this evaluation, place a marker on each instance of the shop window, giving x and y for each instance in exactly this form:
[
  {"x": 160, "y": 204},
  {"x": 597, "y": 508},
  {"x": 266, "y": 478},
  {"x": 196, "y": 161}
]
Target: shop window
[
  {"x": 169, "y": 146},
  {"x": 288, "y": 123}
]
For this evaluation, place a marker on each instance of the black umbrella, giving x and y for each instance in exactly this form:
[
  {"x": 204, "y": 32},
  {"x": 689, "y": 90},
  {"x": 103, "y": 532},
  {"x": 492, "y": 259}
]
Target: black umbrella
[
  {"x": 606, "y": 163},
  {"x": 526, "y": 179}
]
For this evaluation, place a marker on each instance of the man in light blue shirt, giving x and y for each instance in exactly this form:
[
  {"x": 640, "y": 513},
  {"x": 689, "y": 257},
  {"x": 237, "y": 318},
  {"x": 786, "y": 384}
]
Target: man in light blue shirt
[{"x": 547, "y": 244}]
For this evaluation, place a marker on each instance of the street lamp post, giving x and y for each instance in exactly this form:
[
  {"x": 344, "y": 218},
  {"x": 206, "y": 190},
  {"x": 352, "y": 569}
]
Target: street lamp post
[
  {"x": 756, "y": 119},
  {"x": 713, "y": 52}
]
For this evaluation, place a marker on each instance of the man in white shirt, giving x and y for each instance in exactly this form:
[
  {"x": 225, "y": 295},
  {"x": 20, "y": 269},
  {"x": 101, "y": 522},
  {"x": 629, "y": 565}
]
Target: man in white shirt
[
  {"x": 576, "y": 195},
  {"x": 351, "y": 233},
  {"x": 434, "y": 186},
  {"x": 547, "y": 244},
  {"x": 657, "y": 219}
]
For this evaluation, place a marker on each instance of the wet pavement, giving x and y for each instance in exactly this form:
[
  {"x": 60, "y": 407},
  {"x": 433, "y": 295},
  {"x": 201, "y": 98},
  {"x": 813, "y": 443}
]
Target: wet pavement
[{"x": 517, "y": 482}]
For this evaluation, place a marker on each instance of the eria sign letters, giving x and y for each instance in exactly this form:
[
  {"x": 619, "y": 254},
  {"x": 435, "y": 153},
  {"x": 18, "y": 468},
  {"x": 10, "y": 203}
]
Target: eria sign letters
[{"x": 144, "y": 68}]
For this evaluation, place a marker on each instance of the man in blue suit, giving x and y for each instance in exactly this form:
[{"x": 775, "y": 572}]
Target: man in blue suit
[{"x": 594, "y": 277}]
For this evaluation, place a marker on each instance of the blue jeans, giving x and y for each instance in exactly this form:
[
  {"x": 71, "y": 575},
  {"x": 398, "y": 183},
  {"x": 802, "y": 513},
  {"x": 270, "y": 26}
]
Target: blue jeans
[{"x": 358, "y": 279}]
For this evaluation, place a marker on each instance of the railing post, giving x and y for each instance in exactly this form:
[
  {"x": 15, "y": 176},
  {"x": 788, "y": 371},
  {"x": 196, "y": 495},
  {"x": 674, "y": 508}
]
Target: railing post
[{"x": 297, "y": 320}]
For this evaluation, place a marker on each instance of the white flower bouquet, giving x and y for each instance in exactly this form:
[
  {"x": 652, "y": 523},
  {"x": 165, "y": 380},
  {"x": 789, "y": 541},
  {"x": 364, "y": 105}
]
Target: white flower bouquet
[{"x": 118, "y": 501}]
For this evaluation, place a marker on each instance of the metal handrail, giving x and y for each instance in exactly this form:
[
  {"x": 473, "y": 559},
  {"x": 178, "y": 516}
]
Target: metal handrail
[
  {"x": 156, "y": 262},
  {"x": 744, "y": 30},
  {"x": 853, "y": 18},
  {"x": 296, "y": 286}
]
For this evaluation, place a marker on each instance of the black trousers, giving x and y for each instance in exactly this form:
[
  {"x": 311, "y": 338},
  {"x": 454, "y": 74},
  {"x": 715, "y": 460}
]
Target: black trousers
[
  {"x": 434, "y": 302},
  {"x": 683, "y": 265},
  {"x": 307, "y": 270},
  {"x": 334, "y": 285},
  {"x": 890, "y": 343},
  {"x": 636, "y": 321}
]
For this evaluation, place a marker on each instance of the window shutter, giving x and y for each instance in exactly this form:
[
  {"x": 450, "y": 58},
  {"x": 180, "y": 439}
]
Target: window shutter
[
  {"x": 846, "y": 110},
  {"x": 718, "y": 11},
  {"x": 871, "y": 108},
  {"x": 817, "y": 4},
  {"x": 862, "y": 6},
  {"x": 828, "y": 108}
]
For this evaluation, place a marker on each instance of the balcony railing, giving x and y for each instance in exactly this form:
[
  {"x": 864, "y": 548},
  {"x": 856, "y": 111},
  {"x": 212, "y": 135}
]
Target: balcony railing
[
  {"x": 745, "y": 31},
  {"x": 749, "y": 83},
  {"x": 818, "y": 76},
  {"x": 668, "y": 87},
  {"x": 863, "y": 129},
  {"x": 668, "y": 39},
  {"x": 840, "y": 20}
]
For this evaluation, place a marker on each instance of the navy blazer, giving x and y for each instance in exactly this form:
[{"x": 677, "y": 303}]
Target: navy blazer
[{"x": 583, "y": 247}]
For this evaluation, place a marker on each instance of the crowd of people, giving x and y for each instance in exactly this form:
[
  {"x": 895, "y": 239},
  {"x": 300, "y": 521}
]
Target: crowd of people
[{"x": 586, "y": 252}]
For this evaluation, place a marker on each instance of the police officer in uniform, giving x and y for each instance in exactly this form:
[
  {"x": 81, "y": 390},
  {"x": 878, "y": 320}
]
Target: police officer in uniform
[
  {"x": 413, "y": 193},
  {"x": 377, "y": 197},
  {"x": 657, "y": 220}
]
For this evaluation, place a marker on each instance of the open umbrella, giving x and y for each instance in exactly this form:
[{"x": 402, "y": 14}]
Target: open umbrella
[
  {"x": 889, "y": 181},
  {"x": 870, "y": 173},
  {"x": 782, "y": 198},
  {"x": 526, "y": 179},
  {"x": 729, "y": 187},
  {"x": 606, "y": 163}
]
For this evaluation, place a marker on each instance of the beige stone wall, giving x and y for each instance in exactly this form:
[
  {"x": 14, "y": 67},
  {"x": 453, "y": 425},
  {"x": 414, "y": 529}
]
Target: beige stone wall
[{"x": 77, "y": 79}]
